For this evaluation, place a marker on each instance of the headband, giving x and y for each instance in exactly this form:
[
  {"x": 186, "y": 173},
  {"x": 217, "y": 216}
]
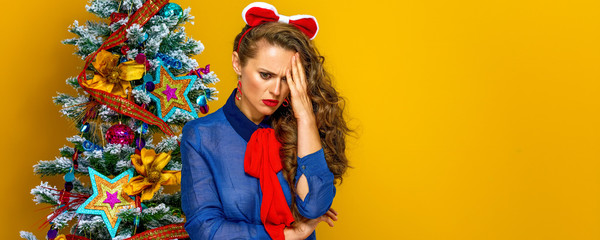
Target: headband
[{"x": 257, "y": 13}]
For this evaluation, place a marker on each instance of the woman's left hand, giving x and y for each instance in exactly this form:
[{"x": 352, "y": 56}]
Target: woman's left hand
[
  {"x": 301, "y": 103},
  {"x": 303, "y": 229}
]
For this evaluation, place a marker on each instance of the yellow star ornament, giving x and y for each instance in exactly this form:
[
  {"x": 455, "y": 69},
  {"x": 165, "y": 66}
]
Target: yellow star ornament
[
  {"x": 113, "y": 77},
  {"x": 150, "y": 167}
]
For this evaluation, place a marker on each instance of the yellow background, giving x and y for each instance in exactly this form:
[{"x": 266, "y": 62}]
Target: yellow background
[{"x": 476, "y": 119}]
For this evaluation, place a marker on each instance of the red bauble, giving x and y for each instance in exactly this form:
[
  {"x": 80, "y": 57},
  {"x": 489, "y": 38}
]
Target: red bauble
[
  {"x": 124, "y": 49},
  {"x": 120, "y": 134},
  {"x": 204, "y": 109}
]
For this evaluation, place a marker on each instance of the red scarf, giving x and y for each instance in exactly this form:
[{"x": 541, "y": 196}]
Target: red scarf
[{"x": 262, "y": 161}]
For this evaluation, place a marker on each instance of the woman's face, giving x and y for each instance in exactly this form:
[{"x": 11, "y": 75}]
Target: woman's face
[{"x": 263, "y": 81}]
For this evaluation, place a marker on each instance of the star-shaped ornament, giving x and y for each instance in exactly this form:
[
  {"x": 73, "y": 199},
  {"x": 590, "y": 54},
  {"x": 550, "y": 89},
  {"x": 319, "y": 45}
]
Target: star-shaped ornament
[
  {"x": 170, "y": 93},
  {"x": 112, "y": 198},
  {"x": 108, "y": 198}
]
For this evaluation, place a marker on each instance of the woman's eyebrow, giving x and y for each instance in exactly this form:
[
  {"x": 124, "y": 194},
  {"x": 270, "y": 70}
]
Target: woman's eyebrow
[{"x": 265, "y": 70}]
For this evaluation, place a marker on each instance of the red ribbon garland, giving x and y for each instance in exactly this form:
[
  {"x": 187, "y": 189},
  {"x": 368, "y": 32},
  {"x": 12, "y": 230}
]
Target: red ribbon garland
[
  {"x": 74, "y": 200},
  {"x": 118, "y": 103},
  {"x": 171, "y": 231},
  {"x": 75, "y": 237}
]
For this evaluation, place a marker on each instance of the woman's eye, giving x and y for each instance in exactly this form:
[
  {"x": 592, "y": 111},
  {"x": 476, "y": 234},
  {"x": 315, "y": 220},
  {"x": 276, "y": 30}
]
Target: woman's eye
[{"x": 265, "y": 75}]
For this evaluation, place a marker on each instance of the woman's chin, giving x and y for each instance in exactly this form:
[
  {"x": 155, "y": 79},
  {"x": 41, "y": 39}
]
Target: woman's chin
[{"x": 266, "y": 110}]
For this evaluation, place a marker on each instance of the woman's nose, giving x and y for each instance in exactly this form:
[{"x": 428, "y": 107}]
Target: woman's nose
[{"x": 276, "y": 90}]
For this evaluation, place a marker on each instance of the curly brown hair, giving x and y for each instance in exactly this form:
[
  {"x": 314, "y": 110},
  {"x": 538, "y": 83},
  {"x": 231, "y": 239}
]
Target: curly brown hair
[{"x": 328, "y": 105}]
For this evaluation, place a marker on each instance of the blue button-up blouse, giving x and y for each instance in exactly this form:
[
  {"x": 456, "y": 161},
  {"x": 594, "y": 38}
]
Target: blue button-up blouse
[{"x": 219, "y": 199}]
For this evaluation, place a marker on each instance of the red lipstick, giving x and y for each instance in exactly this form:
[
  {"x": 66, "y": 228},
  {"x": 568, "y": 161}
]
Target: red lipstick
[{"x": 270, "y": 102}]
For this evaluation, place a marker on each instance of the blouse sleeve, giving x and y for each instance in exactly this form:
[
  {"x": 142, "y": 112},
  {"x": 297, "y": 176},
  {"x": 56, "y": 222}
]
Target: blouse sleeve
[
  {"x": 200, "y": 200},
  {"x": 320, "y": 185}
]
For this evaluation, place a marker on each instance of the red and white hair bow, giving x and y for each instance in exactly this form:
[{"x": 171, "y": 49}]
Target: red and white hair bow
[{"x": 257, "y": 13}]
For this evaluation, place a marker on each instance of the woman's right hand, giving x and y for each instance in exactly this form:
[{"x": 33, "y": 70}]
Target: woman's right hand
[{"x": 303, "y": 229}]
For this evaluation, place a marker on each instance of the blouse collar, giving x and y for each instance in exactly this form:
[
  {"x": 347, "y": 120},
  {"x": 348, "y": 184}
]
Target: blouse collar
[{"x": 240, "y": 123}]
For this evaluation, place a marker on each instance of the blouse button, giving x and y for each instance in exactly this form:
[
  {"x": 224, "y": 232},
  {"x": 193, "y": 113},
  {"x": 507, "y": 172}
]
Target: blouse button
[{"x": 303, "y": 167}]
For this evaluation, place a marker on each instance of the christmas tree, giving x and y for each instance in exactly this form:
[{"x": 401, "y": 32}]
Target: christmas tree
[{"x": 138, "y": 83}]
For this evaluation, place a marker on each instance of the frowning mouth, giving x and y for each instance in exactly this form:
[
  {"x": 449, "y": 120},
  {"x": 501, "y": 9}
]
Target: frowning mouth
[{"x": 270, "y": 102}]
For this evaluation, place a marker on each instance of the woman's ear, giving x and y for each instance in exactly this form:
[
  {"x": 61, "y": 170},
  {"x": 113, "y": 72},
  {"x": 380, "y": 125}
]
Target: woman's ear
[{"x": 237, "y": 66}]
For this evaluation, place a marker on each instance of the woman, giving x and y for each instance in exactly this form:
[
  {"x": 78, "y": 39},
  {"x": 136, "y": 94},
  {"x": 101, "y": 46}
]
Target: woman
[{"x": 280, "y": 134}]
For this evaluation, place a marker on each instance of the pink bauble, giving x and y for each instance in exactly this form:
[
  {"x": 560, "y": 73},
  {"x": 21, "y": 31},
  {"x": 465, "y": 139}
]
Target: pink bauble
[
  {"x": 121, "y": 134},
  {"x": 140, "y": 58}
]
